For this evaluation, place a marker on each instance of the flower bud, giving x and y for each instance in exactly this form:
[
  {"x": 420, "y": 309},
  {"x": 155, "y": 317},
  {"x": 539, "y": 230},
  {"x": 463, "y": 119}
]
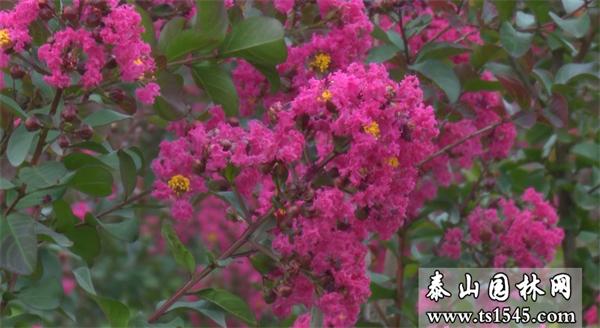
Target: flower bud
[
  {"x": 69, "y": 113},
  {"x": 70, "y": 14},
  {"x": 63, "y": 141},
  {"x": 117, "y": 95},
  {"x": 85, "y": 132},
  {"x": 32, "y": 124},
  {"x": 16, "y": 72},
  {"x": 269, "y": 296},
  {"x": 284, "y": 290},
  {"x": 46, "y": 13}
]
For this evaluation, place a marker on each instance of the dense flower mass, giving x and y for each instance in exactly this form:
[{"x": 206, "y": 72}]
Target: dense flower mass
[
  {"x": 103, "y": 35},
  {"x": 14, "y": 30},
  {"x": 336, "y": 163},
  {"x": 525, "y": 237}
]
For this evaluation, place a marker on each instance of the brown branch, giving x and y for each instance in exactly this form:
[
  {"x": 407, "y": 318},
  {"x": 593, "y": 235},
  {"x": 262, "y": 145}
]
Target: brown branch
[
  {"x": 403, "y": 35},
  {"x": 382, "y": 314},
  {"x": 127, "y": 201},
  {"x": 33, "y": 65},
  {"x": 42, "y": 140},
  {"x": 400, "y": 275},
  {"x": 462, "y": 140},
  {"x": 199, "y": 275}
]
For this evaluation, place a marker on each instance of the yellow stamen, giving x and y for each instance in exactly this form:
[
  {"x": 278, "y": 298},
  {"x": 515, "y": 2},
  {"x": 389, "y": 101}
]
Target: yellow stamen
[
  {"x": 212, "y": 237},
  {"x": 320, "y": 62},
  {"x": 393, "y": 161},
  {"x": 373, "y": 129},
  {"x": 138, "y": 62},
  {"x": 179, "y": 184},
  {"x": 326, "y": 95},
  {"x": 5, "y": 40}
]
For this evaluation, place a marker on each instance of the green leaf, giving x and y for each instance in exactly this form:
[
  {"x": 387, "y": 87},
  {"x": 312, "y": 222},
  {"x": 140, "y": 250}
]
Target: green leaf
[
  {"x": 93, "y": 180},
  {"x": 44, "y": 294},
  {"x": 42, "y": 176},
  {"x": 41, "y": 196},
  {"x": 487, "y": 52},
  {"x": 577, "y": 27},
  {"x": 116, "y": 312},
  {"x": 231, "y": 199},
  {"x": 514, "y": 42},
  {"x": 572, "y": 70},
  {"x": 257, "y": 39},
  {"x": 104, "y": 117},
  {"x": 441, "y": 74},
  {"x": 524, "y": 20},
  {"x": 316, "y": 317},
  {"x": 128, "y": 172},
  {"x": 211, "y": 20},
  {"x": 84, "y": 279},
  {"x": 440, "y": 50},
  {"x": 19, "y": 145},
  {"x": 169, "y": 32},
  {"x": 91, "y": 145},
  {"x": 262, "y": 263},
  {"x": 59, "y": 238},
  {"x": 587, "y": 149},
  {"x": 572, "y": 5},
  {"x": 181, "y": 254},
  {"x": 218, "y": 85},
  {"x": 270, "y": 72},
  {"x": 5, "y": 184},
  {"x": 207, "y": 33},
  {"x": 126, "y": 229},
  {"x": 544, "y": 77},
  {"x": 230, "y": 303},
  {"x": 18, "y": 251},
  {"x": 166, "y": 110},
  {"x": 379, "y": 292},
  {"x": 7, "y": 103},
  {"x": 149, "y": 35},
  {"x": 86, "y": 242},
  {"x": 381, "y": 53},
  {"x": 204, "y": 307},
  {"x": 74, "y": 161}
]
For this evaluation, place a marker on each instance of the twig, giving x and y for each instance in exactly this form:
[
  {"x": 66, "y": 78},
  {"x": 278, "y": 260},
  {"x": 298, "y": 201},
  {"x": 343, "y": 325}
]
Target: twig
[
  {"x": 41, "y": 142},
  {"x": 403, "y": 35},
  {"x": 199, "y": 275},
  {"x": 400, "y": 275},
  {"x": 382, "y": 314},
  {"x": 33, "y": 65},
  {"x": 122, "y": 204},
  {"x": 462, "y": 140}
]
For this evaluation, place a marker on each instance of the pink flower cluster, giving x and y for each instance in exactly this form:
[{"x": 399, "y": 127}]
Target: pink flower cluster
[
  {"x": 347, "y": 40},
  {"x": 14, "y": 30},
  {"x": 110, "y": 36},
  {"x": 513, "y": 236},
  {"x": 335, "y": 164}
]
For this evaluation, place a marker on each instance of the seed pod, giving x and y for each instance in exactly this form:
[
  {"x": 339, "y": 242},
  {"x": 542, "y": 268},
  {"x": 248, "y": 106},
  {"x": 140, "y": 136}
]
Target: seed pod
[
  {"x": 269, "y": 296},
  {"x": 70, "y": 14},
  {"x": 63, "y": 141},
  {"x": 69, "y": 113},
  {"x": 85, "y": 132},
  {"x": 284, "y": 290},
  {"x": 16, "y": 72},
  {"x": 117, "y": 95},
  {"x": 32, "y": 124}
]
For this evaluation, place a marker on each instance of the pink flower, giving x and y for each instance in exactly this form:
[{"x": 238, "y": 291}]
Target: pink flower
[
  {"x": 147, "y": 94},
  {"x": 80, "y": 209},
  {"x": 68, "y": 284},
  {"x": 451, "y": 247}
]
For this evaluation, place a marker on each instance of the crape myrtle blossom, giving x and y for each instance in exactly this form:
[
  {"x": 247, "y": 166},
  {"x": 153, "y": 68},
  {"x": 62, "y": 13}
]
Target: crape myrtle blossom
[
  {"x": 525, "y": 236},
  {"x": 14, "y": 30},
  {"x": 357, "y": 132},
  {"x": 346, "y": 41},
  {"x": 101, "y": 36}
]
